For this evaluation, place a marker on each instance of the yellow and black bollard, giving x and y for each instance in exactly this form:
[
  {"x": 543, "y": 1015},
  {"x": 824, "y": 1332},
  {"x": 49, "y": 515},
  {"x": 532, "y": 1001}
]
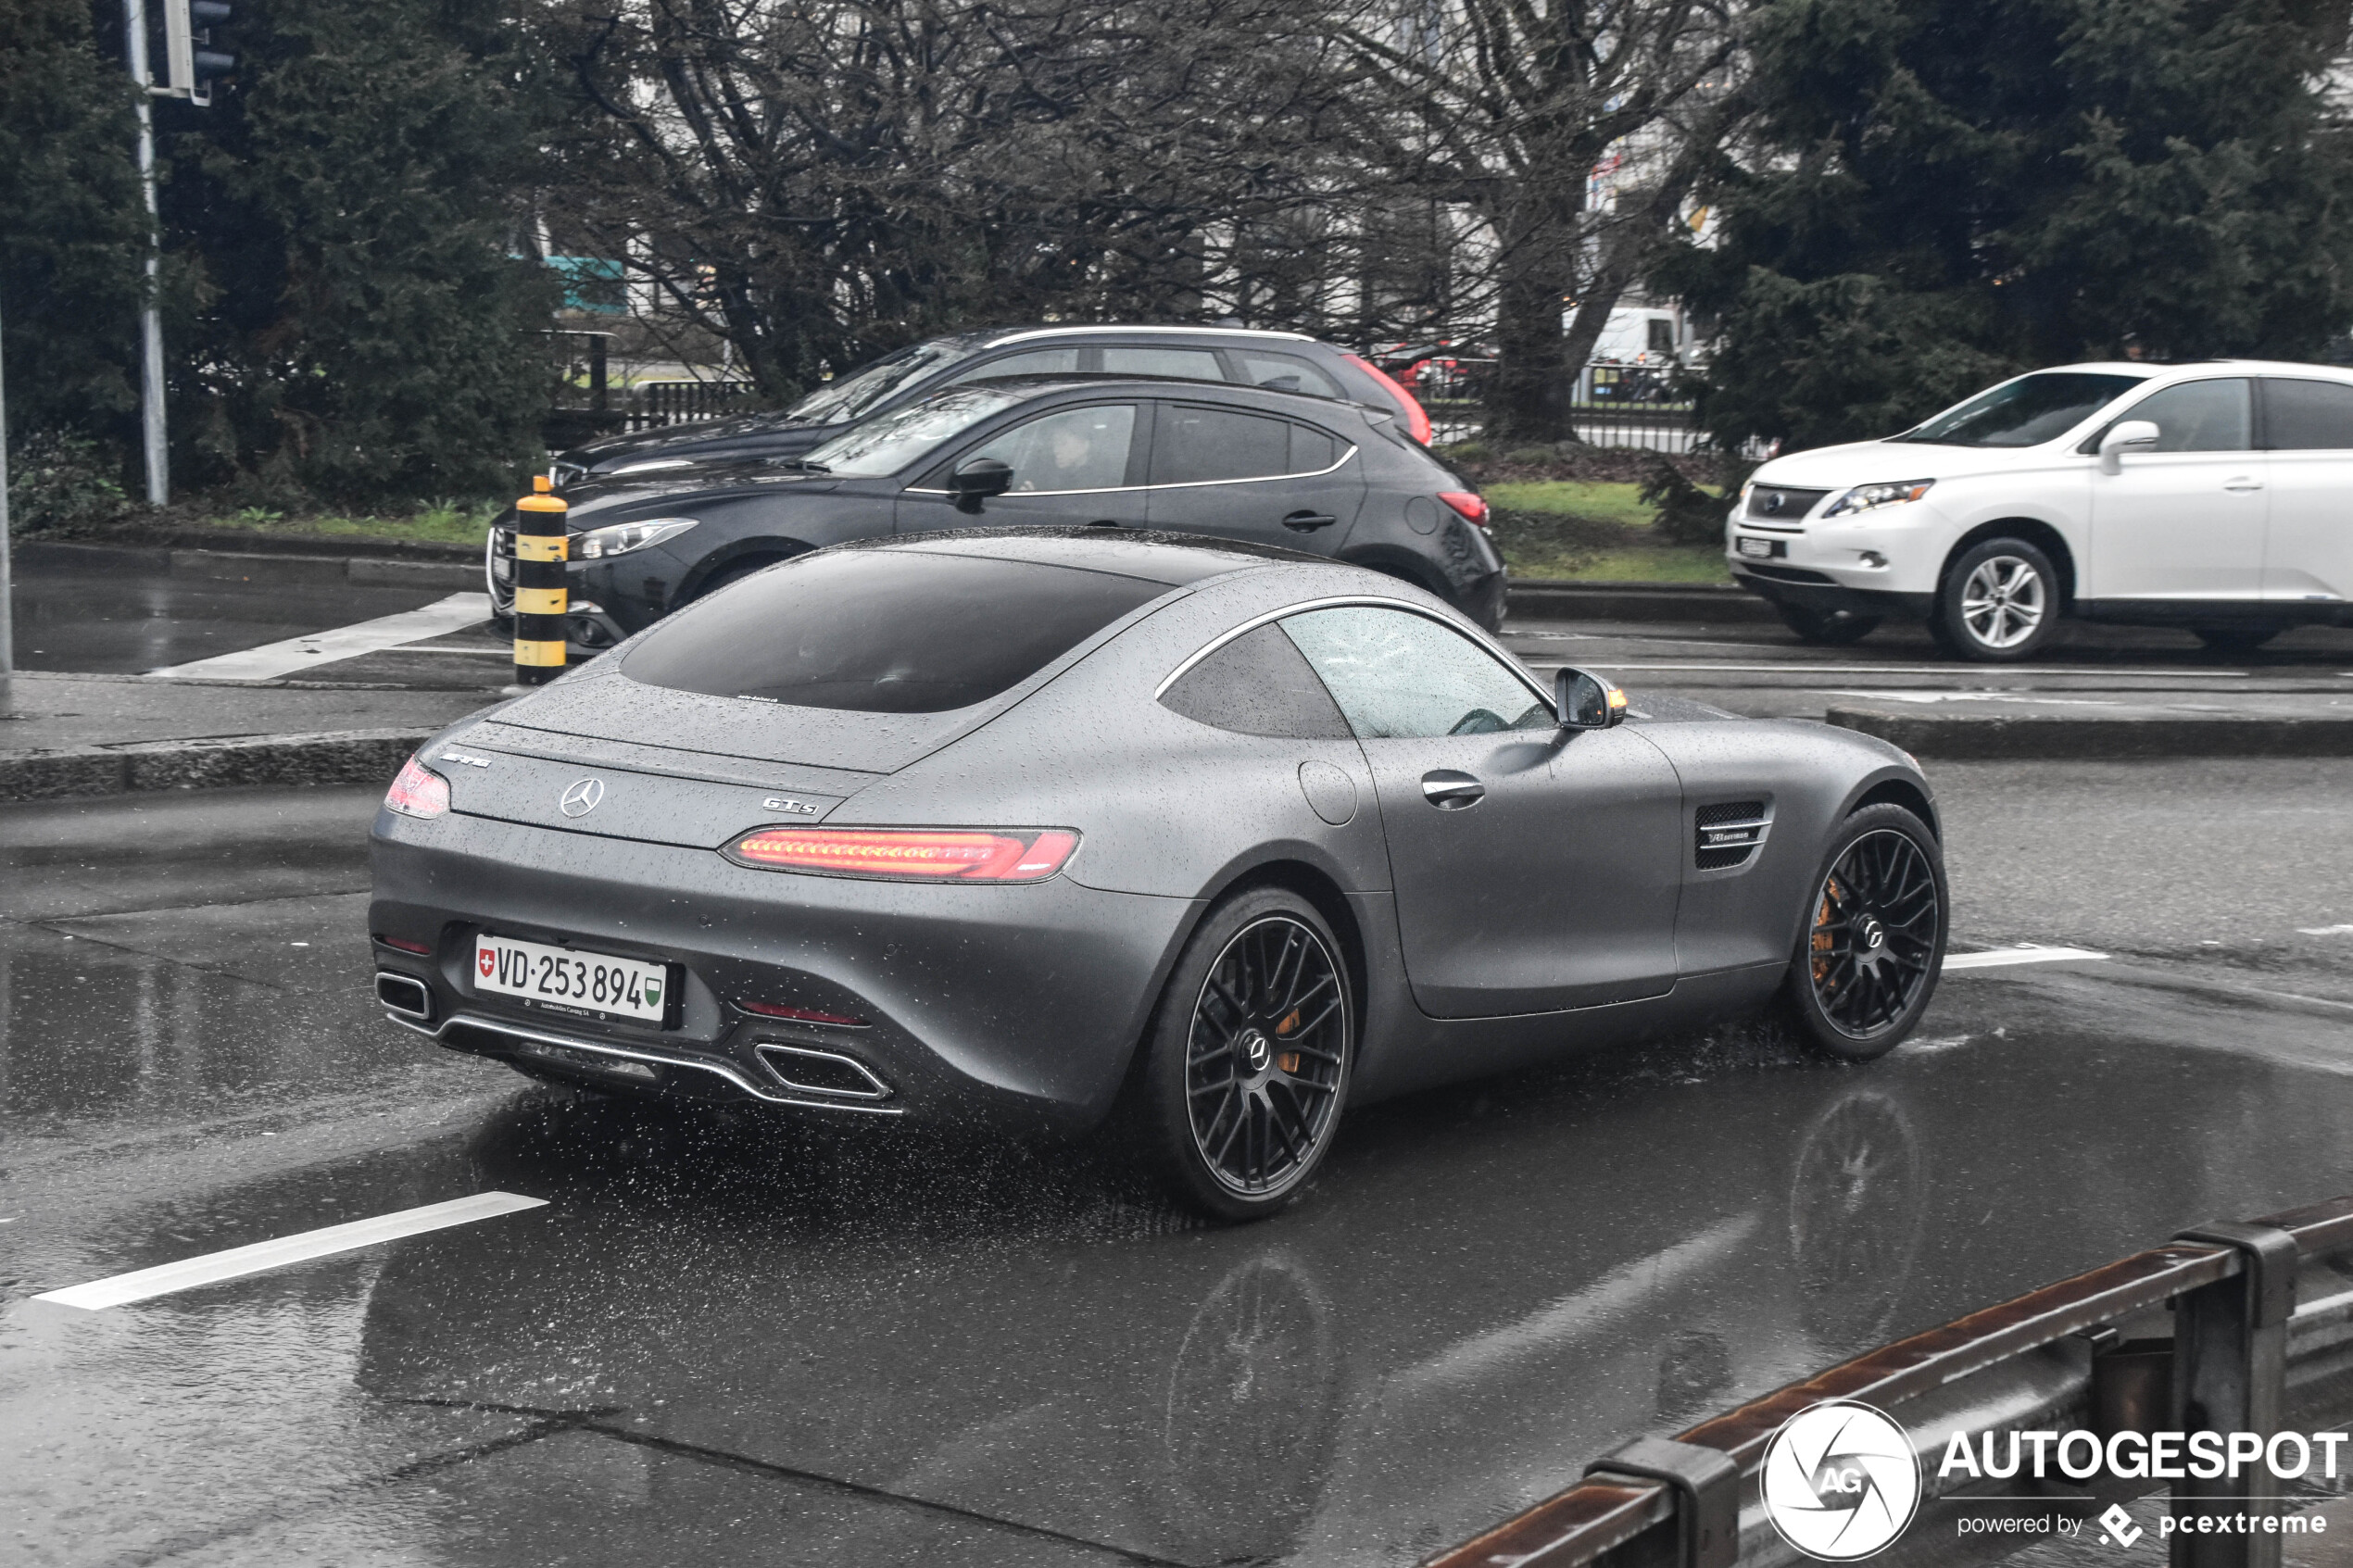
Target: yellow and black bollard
[{"x": 540, "y": 598}]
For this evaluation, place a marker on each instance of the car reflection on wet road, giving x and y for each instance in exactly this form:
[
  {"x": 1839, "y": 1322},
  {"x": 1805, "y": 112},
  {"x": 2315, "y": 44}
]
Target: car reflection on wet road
[{"x": 729, "y": 1340}]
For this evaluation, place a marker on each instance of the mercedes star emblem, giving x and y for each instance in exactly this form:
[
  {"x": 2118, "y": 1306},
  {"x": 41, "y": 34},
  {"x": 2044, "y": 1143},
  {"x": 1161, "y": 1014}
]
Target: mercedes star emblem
[{"x": 581, "y": 798}]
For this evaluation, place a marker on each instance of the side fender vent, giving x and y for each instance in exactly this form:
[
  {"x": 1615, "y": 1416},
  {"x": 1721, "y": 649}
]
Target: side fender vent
[{"x": 1725, "y": 835}]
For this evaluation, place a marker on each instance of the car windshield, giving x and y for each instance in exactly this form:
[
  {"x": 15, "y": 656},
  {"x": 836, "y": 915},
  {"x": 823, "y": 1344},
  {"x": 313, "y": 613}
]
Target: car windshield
[
  {"x": 888, "y": 443},
  {"x": 849, "y": 398},
  {"x": 2025, "y": 412},
  {"x": 885, "y": 631}
]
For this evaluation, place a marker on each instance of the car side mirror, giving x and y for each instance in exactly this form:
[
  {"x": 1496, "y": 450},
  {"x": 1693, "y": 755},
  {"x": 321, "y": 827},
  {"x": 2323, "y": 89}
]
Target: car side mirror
[
  {"x": 1585, "y": 701},
  {"x": 975, "y": 481},
  {"x": 2127, "y": 432}
]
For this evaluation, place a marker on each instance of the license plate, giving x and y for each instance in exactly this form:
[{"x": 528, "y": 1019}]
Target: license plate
[
  {"x": 566, "y": 980},
  {"x": 1764, "y": 547}
]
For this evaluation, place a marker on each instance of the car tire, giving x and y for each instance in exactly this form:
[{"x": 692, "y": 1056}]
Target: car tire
[
  {"x": 1831, "y": 628},
  {"x": 1999, "y": 602},
  {"x": 2235, "y": 639},
  {"x": 1233, "y": 1120},
  {"x": 1871, "y": 940}
]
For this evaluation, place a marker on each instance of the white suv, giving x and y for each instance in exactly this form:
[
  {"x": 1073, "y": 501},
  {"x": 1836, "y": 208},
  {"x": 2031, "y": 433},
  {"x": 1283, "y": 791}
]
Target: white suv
[{"x": 2217, "y": 498}]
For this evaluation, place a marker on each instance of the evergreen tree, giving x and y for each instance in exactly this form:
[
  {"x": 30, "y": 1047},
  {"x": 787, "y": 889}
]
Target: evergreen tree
[
  {"x": 71, "y": 235},
  {"x": 361, "y": 324},
  {"x": 1948, "y": 192}
]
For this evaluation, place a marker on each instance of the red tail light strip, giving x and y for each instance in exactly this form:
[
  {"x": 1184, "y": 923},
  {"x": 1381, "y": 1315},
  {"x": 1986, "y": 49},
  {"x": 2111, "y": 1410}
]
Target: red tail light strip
[
  {"x": 1472, "y": 505},
  {"x": 909, "y": 854},
  {"x": 418, "y": 791}
]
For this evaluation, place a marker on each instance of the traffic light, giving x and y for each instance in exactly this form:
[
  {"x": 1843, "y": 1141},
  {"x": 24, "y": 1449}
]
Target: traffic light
[{"x": 191, "y": 57}]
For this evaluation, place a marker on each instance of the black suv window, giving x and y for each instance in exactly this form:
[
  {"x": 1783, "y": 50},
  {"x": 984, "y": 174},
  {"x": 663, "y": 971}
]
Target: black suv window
[
  {"x": 1199, "y": 446},
  {"x": 1183, "y": 364},
  {"x": 1283, "y": 372},
  {"x": 884, "y": 631},
  {"x": 1259, "y": 685}
]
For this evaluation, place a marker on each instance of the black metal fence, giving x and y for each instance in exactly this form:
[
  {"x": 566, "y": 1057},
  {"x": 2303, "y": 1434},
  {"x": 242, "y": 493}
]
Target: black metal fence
[
  {"x": 650, "y": 405},
  {"x": 2227, "y": 1328}
]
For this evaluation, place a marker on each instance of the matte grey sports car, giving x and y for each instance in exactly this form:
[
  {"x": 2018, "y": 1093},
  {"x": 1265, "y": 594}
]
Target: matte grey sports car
[{"x": 1039, "y": 827}]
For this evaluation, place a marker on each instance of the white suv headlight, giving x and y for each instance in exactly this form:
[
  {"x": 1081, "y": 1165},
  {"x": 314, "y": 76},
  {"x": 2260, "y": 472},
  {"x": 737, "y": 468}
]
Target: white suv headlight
[
  {"x": 1871, "y": 498},
  {"x": 624, "y": 537}
]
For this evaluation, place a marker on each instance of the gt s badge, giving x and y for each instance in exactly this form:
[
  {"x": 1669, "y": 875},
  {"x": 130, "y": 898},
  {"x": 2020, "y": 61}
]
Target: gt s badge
[
  {"x": 467, "y": 757},
  {"x": 786, "y": 804}
]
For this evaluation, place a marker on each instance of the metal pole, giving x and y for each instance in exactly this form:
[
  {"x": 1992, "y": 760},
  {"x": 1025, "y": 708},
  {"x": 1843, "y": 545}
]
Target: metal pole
[
  {"x": 134, "y": 24},
  {"x": 7, "y": 620}
]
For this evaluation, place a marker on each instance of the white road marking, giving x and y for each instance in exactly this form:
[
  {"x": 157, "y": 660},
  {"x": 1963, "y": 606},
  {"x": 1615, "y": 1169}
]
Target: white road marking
[
  {"x": 270, "y": 660},
  {"x": 1793, "y": 668},
  {"x": 1893, "y": 694},
  {"x": 2324, "y": 930},
  {"x": 237, "y": 1262},
  {"x": 2025, "y": 952}
]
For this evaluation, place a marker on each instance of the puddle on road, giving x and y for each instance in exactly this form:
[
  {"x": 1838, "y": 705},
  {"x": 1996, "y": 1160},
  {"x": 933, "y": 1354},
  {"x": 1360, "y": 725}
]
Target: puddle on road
[{"x": 1490, "y": 1286}]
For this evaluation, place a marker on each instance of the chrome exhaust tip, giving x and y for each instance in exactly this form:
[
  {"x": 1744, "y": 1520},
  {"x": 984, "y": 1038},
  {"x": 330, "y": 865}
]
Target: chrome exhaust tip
[
  {"x": 404, "y": 994},
  {"x": 828, "y": 1075}
]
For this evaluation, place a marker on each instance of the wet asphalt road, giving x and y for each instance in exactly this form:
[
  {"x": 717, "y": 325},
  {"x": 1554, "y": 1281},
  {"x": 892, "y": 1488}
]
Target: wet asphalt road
[{"x": 738, "y": 1341}]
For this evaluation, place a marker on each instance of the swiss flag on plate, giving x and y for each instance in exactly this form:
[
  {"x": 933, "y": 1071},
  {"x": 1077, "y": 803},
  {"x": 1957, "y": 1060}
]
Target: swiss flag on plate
[{"x": 486, "y": 961}]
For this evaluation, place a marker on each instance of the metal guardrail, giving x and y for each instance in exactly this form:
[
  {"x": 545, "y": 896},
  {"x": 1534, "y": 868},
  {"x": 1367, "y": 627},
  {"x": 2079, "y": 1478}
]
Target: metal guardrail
[
  {"x": 657, "y": 403},
  {"x": 2077, "y": 1355}
]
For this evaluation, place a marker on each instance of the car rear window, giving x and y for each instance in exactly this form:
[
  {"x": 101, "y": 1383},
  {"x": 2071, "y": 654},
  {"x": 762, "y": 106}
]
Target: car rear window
[
  {"x": 884, "y": 631},
  {"x": 2025, "y": 412}
]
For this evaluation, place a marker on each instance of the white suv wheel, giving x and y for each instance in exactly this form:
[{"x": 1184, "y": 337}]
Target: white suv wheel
[{"x": 2004, "y": 601}]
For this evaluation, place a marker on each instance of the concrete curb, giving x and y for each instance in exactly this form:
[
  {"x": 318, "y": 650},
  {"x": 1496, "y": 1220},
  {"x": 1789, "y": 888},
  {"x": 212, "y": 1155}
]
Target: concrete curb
[
  {"x": 253, "y": 566},
  {"x": 1703, "y": 602},
  {"x": 2066, "y": 738},
  {"x": 330, "y": 758}
]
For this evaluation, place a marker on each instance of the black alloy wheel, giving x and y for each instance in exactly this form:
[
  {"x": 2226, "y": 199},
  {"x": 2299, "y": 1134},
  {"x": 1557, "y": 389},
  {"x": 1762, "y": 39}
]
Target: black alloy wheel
[
  {"x": 1873, "y": 943},
  {"x": 1249, "y": 1055}
]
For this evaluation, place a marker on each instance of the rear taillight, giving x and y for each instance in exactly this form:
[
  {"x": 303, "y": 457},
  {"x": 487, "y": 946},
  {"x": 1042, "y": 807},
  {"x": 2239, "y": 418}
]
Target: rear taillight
[
  {"x": 910, "y": 854},
  {"x": 1417, "y": 420},
  {"x": 422, "y": 950},
  {"x": 418, "y": 791},
  {"x": 1472, "y": 505}
]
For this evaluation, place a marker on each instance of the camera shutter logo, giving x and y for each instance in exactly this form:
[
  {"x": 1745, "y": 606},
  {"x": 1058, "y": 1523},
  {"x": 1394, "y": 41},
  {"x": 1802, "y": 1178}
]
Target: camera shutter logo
[
  {"x": 581, "y": 798},
  {"x": 1840, "y": 1481}
]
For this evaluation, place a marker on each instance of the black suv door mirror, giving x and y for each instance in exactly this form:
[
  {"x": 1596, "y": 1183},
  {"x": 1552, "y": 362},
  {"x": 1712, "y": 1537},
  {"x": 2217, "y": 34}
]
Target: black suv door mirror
[
  {"x": 1585, "y": 701},
  {"x": 975, "y": 481}
]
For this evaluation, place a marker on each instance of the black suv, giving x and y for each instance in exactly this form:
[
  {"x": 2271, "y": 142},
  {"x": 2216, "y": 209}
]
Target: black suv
[
  {"x": 1281, "y": 361},
  {"x": 1279, "y": 468}
]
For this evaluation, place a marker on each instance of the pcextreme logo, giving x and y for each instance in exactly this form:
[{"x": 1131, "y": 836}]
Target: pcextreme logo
[{"x": 1840, "y": 1481}]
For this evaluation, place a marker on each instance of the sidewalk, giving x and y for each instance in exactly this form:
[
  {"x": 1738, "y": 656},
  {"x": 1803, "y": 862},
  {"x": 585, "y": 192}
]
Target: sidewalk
[{"x": 64, "y": 735}]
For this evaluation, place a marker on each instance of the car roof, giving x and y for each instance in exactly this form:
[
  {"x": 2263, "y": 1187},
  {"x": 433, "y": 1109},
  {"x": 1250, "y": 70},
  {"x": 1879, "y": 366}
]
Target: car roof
[
  {"x": 1048, "y": 384},
  {"x": 996, "y": 337},
  {"x": 2190, "y": 369},
  {"x": 1176, "y": 559}
]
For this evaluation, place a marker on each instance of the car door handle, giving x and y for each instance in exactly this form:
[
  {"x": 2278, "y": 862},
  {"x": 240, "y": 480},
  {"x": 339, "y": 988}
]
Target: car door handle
[
  {"x": 1451, "y": 791},
  {"x": 2242, "y": 484},
  {"x": 1307, "y": 522}
]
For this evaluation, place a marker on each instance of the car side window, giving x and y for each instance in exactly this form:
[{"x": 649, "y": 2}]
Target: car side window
[
  {"x": 1074, "y": 449},
  {"x": 2200, "y": 415},
  {"x": 1184, "y": 363},
  {"x": 1030, "y": 362},
  {"x": 1284, "y": 372},
  {"x": 1199, "y": 446},
  {"x": 1258, "y": 685},
  {"x": 1397, "y": 675},
  {"x": 2302, "y": 416}
]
